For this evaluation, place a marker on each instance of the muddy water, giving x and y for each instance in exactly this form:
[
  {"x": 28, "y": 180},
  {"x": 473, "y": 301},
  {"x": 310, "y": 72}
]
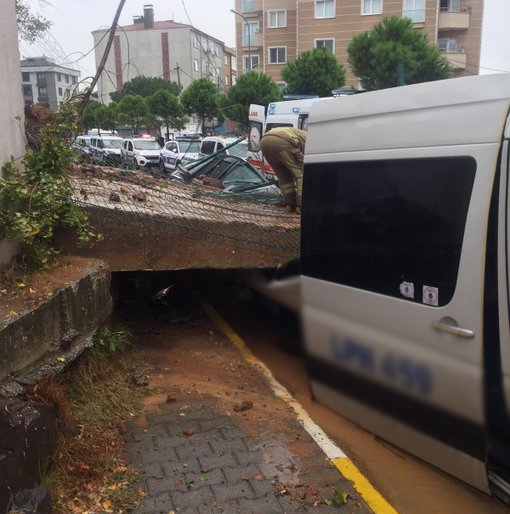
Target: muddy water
[{"x": 410, "y": 485}]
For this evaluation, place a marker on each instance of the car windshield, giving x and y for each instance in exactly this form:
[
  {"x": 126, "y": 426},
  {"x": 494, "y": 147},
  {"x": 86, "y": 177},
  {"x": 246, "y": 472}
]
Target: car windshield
[
  {"x": 84, "y": 142},
  {"x": 112, "y": 143},
  {"x": 146, "y": 144},
  {"x": 190, "y": 146},
  {"x": 239, "y": 150},
  {"x": 242, "y": 174}
]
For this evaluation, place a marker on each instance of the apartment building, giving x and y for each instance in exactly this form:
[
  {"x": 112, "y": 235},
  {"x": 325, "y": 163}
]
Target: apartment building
[
  {"x": 166, "y": 49},
  {"x": 42, "y": 80},
  {"x": 270, "y": 33},
  {"x": 230, "y": 68}
]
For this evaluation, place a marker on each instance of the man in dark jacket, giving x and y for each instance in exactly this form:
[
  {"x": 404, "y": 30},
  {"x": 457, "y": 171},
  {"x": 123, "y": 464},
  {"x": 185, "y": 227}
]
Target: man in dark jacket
[{"x": 284, "y": 148}]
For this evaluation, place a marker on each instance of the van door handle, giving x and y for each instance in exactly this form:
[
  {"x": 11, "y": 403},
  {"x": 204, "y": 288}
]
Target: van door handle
[{"x": 453, "y": 329}]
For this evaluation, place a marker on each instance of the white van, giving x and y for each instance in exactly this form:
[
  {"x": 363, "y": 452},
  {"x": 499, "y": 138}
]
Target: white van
[{"x": 405, "y": 253}]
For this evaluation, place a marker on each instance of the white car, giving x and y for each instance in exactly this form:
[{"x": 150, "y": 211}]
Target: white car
[
  {"x": 105, "y": 150},
  {"x": 179, "y": 151},
  {"x": 140, "y": 152}
]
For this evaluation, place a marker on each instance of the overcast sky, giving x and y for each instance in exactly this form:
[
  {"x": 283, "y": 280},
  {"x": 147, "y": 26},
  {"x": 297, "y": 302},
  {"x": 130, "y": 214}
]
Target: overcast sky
[{"x": 74, "y": 20}]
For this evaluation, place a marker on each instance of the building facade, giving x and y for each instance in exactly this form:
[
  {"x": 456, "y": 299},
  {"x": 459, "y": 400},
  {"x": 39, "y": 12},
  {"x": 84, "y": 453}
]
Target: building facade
[
  {"x": 42, "y": 80},
  {"x": 230, "y": 68},
  {"x": 270, "y": 33},
  {"x": 166, "y": 49}
]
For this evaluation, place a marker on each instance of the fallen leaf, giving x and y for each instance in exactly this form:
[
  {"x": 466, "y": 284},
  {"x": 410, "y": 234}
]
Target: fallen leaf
[
  {"x": 246, "y": 405},
  {"x": 259, "y": 477},
  {"x": 12, "y": 314}
]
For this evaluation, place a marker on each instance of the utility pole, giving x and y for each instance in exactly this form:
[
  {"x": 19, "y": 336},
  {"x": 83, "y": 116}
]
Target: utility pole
[
  {"x": 249, "y": 36},
  {"x": 179, "y": 77}
]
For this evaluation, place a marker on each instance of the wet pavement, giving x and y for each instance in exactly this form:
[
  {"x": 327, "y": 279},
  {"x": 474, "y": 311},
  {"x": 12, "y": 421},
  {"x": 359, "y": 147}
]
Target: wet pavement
[{"x": 216, "y": 439}]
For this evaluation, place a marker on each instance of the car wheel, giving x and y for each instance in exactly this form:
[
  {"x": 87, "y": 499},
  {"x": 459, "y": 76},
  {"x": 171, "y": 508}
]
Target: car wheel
[{"x": 162, "y": 167}]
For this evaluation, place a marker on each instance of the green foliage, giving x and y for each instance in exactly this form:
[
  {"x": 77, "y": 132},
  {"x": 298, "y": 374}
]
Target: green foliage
[
  {"x": 133, "y": 110},
  {"x": 339, "y": 498},
  {"x": 34, "y": 203},
  {"x": 202, "y": 99},
  {"x": 314, "y": 72},
  {"x": 166, "y": 108},
  {"x": 98, "y": 115},
  {"x": 30, "y": 26},
  {"x": 251, "y": 88},
  {"x": 109, "y": 340},
  {"x": 145, "y": 86},
  {"x": 373, "y": 56}
]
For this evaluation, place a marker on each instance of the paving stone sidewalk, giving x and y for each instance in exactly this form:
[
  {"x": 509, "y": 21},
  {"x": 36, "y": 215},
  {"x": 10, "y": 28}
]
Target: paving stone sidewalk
[{"x": 196, "y": 457}]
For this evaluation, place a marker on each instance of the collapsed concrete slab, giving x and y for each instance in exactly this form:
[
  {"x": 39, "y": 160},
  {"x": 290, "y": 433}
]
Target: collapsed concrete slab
[{"x": 149, "y": 223}]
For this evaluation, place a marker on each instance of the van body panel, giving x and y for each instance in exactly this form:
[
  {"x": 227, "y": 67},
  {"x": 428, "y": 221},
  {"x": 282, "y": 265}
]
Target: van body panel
[
  {"x": 400, "y": 328},
  {"x": 449, "y": 112},
  {"x": 463, "y": 466}
]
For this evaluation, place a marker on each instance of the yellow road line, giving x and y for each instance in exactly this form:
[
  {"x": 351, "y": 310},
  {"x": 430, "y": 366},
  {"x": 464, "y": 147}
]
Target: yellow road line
[{"x": 345, "y": 466}]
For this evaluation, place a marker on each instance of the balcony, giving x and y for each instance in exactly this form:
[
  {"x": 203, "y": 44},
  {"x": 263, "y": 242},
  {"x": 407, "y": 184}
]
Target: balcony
[
  {"x": 454, "y": 20},
  {"x": 457, "y": 59}
]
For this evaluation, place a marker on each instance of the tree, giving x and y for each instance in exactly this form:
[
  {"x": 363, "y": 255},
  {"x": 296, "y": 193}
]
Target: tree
[
  {"x": 375, "y": 55},
  {"x": 133, "y": 111},
  {"x": 30, "y": 26},
  {"x": 88, "y": 119},
  {"x": 201, "y": 98},
  {"x": 166, "y": 108},
  {"x": 251, "y": 88},
  {"x": 106, "y": 116},
  {"x": 314, "y": 72},
  {"x": 97, "y": 115},
  {"x": 145, "y": 86}
]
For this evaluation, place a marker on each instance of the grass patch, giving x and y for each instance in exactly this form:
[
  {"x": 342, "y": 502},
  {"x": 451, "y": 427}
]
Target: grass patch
[{"x": 94, "y": 398}]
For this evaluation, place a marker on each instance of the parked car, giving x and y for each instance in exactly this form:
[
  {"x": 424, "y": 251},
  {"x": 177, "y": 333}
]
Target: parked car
[
  {"x": 81, "y": 146},
  {"x": 213, "y": 144},
  {"x": 106, "y": 150},
  {"x": 178, "y": 151},
  {"x": 140, "y": 152},
  {"x": 230, "y": 174}
]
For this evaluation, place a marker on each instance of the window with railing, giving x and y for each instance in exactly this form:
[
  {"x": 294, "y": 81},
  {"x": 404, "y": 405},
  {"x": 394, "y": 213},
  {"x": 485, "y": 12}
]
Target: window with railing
[
  {"x": 414, "y": 10},
  {"x": 25, "y": 76},
  {"x": 247, "y": 5},
  {"x": 251, "y": 62},
  {"x": 448, "y": 44},
  {"x": 43, "y": 94},
  {"x": 449, "y": 6},
  {"x": 249, "y": 31},
  {"x": 41, "y": 79}
]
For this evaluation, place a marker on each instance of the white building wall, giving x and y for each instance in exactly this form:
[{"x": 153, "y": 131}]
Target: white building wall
[
  {"x": 11, "y": 99},
  {"x": 141, "y": 54}
]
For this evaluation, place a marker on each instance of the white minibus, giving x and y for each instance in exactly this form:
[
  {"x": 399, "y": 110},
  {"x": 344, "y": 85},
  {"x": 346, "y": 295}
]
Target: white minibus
[{"x": 405, "y": 253}]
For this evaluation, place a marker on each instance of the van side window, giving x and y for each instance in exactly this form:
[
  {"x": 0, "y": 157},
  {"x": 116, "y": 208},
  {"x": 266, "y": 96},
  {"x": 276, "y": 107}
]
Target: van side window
[
  {"x": 130, "y": 146},
  {"x": 374, "y": 225}
]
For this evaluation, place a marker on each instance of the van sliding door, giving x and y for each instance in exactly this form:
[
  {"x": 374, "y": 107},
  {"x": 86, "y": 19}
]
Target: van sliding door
[{"x": 497, "y": 342}]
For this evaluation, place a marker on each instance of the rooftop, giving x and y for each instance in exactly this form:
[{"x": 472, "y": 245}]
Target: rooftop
[{"x": 158, "y": 25}]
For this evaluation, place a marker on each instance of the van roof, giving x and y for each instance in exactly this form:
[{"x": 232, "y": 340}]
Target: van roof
[{"x": 467, "y": 110}]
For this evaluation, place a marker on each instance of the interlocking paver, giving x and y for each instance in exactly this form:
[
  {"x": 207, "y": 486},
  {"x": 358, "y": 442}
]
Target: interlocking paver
[{"x": 195, "y": 458}]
